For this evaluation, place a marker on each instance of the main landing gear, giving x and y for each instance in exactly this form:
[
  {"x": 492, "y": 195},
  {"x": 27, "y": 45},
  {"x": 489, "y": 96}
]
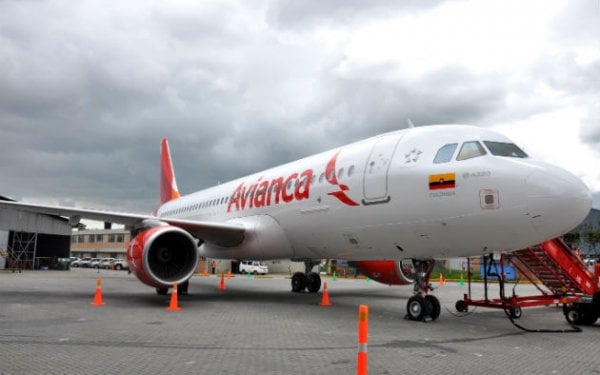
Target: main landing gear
[
  {"x": 422, "y": 306},
  {"x": 311, "y": 281}
]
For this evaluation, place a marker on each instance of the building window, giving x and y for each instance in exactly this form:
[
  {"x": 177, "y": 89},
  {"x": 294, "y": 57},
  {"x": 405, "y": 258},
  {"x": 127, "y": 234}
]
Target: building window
[
  {"x": 80, "y": 238},
  {"x": 120, "y": 238},
  {"x": 111, "y": 238},
  {"x": 92, "y": 238},
  {"x": 99, "y": 238}
]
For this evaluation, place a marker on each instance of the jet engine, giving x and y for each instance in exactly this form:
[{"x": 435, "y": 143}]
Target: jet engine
[
  {"x": 388, "y": 271},
  {"x": 162, "y": 256}
]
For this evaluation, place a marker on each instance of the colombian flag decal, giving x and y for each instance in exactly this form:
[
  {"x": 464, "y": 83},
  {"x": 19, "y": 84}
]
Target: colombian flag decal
[{"x": 442, "y": 181}]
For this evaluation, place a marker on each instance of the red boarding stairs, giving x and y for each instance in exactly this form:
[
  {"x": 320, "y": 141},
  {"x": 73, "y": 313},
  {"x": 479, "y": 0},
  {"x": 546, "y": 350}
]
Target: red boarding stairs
[
  {"x": 565, "y": 277},
  {"x": 556, "y": 266}
]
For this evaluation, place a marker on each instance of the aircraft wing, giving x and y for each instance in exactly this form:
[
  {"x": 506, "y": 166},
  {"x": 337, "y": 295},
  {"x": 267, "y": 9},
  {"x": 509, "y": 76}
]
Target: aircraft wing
[{"x": 222, "y": 234}]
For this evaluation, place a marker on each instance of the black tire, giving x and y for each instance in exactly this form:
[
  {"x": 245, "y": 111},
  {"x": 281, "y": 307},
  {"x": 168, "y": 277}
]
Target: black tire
[
  {"x": 461, "y": 306},
  {"x": 589, "y": 318},
  {"x": 418, "y": 308},
  {"x": 298, "y": 282},
  {"x": 573, "y": 315},
  {"x": 162, "y": 291},
  {"x": 436, "y": 308},
  {"x": 589, "y": 313},
  {"x": 313, "y": 282},
  {"x": 581, "y": 314},
  {"x": 516, "y": 312},
  {"x": 118, "y": 267}
]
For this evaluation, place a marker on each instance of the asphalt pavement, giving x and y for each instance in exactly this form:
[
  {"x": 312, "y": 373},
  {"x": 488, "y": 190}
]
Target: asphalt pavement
[{"x": 258, "y": 326}]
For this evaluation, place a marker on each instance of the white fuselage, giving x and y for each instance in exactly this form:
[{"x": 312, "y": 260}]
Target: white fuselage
[{"x": 386, "y": 198}]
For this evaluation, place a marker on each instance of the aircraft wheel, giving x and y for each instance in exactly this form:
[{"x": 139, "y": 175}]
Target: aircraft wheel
[
  {"x": 516, "y": 312},
  {"x": 418, "y": 308},
  {"x": 461, "y": 306},
  {"x": 162, "y": 291},
  {"x": 436, "y": 308},
  {"x": 298, "y": 282},
  {"x": 313, "y": 282}
]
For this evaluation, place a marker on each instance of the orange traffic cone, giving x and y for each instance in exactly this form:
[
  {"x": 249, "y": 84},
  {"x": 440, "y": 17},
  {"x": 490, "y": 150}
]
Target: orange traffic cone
[
  {"x": 325, "y": 300},
  {"x": 173, "y": 306},
  {"x": 222, "y": 284},
  {"x": 205, "y": 273},
  {"x": 442, "y": 282},
  {"x": 229, "y": 275},
  {"x": 98, "y": 296}
]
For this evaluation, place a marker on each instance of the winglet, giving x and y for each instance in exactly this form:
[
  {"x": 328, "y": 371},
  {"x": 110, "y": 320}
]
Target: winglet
[{"x": 168, "y": 185}]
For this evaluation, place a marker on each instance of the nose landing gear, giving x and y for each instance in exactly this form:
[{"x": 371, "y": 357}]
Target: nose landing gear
[{"x": 422, "y": 306}]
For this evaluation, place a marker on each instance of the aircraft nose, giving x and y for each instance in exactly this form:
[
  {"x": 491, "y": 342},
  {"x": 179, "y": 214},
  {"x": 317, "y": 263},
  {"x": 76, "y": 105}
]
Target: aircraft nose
[{"x": 557, "y": 200}]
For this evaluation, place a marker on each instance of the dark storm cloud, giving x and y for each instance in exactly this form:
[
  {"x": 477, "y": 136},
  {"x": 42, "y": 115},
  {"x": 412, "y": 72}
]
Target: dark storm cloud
[{"x": 82, "y": 109}]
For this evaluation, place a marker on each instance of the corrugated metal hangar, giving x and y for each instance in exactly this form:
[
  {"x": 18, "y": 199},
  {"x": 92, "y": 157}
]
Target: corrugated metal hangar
[{"x": 32, "y": 241}]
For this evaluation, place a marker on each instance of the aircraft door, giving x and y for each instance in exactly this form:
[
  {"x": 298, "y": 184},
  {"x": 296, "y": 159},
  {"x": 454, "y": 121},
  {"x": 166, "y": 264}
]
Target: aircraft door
[{"x": 375, "y": 179}]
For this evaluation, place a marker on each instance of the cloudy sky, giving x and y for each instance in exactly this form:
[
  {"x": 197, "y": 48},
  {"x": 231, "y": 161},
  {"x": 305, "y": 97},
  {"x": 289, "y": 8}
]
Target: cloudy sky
[{"x": 88, "y": 88}]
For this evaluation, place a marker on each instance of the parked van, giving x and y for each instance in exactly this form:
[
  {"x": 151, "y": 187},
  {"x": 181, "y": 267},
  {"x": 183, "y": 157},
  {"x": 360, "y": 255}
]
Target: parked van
[{"x": 254, "y": 267}]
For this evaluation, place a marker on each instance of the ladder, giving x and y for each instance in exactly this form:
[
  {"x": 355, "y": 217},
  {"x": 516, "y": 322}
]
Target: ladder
[{"x": 555, "y": 265}]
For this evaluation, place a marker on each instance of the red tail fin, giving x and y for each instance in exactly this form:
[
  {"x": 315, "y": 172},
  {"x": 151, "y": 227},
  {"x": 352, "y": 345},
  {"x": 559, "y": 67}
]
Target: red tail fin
[{"x": 168, "y": 186}]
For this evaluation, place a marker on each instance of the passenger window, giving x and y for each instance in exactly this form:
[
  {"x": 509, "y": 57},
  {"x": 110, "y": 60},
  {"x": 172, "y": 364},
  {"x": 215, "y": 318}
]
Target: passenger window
[
  {"x": 330, "y": 175},
  {"x": 445, "y": 153},
  {"x": 350, "y": 171},
  {"x": 470, "y": 150}
]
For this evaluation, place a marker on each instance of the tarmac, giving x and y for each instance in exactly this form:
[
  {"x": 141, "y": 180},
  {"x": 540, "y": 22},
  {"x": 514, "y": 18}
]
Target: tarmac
[{"x": 258, "y": 326}]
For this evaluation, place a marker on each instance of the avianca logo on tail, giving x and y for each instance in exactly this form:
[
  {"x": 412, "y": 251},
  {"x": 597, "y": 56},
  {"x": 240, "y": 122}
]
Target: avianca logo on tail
[
  {"x": 266, "y": 193},
  {"x": 331, "y": 177}
]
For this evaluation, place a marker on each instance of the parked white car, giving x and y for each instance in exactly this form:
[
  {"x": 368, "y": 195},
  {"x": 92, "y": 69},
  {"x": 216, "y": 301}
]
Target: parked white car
[
  {"x": 254, "y": 267},
  {"x": 106, "y": 263},
  {"x": 120, "y": 264}
]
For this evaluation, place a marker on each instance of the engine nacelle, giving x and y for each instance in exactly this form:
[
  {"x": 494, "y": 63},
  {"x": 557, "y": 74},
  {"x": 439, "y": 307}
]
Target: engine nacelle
[
  {"x": 388, "y": 271},
  {"x": 162, "y": 256}
]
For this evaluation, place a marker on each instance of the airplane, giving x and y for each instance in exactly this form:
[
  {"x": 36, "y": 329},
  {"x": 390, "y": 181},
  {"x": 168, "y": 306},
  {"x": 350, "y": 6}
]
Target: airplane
[{"x": 403, "y": 198}]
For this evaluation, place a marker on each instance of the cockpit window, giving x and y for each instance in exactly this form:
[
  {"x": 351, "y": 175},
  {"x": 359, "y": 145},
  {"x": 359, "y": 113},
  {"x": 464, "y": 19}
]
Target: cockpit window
[
  {"x": 505, "y": 149},
  {"x": 470, "y": 150},
  {"x": 445, "y": 153}
]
